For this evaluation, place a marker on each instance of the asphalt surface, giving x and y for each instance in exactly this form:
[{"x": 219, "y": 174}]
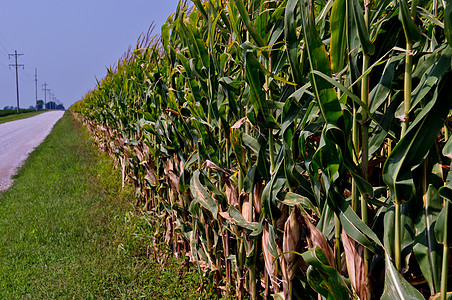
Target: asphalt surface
[{"x": 19, "y": 138}]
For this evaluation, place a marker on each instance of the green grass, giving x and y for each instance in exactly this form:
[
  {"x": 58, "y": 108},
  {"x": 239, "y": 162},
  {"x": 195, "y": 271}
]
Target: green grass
[
  {"x": 24, "y": 115},
  {"x": 68, "y": 230}
]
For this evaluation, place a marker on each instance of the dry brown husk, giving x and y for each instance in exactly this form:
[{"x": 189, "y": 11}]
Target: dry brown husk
[
  {"x": 257, "y": 196},
  {"x": 316, "y": 238},
  {"x": 354, "y": 254},
  {"x": 270, "y": 265},
  {"x": 169, "y": 230},
  {"x": 231, "y": 193},
  {"x": 291, "y": 243},
  {"x": 168, "y": 169},
  {"x": 247, "y": 212},
  {"x": 280, "y": 223},
  {"x": 246, "y": 209}
]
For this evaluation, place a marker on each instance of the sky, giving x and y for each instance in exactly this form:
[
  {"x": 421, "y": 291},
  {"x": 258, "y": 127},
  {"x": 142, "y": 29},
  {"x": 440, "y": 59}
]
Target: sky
[{"x": 70, "y": 43}]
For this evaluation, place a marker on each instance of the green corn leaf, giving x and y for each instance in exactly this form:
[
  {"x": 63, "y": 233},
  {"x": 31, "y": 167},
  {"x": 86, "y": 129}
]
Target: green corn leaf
[
  {"x": 442, "y": 233},
  {"x": 338, "y": 41},
  {"x": 231, "y": 84},
  {"x": 272, "y": 242},
  {"x": 412, "y": 148},
  {"x": 323, "y": 278},
  {"x": 188, "y": 34},
  {"x": 246, "y": 20},
  {"x": 260, "y": 22},
  {"x": 257, "y": 95},
  {"x": 447, "y": 150},
  {"x": 251, "y": 143},
  {"x": 234, "y": 20},
  {"x": 323, "y": 14},
  {"x": 225, "y": 19},
  {"x": 201, "y": 9},
  {"x": 381, "y": 130},
  {"x": 388, "y": 230},
  {"x": 239, "y": 149},
  {"x": 236, "y": 216},
  {"x": 335, "y": 136},
  {"x": 437, "y": 68},
  {"x": 277, "y": 32},
  {"x": 262, "y": 69},
  {"x": 344, "y": 89},
  {"x": 290, "y": 31},
  {"x": 326, "y": 222},
  {"x": 269, "y": 195},
  {"x": 432, "y": 76},
  {"x": 363, "y": 34},
  {"x": 325, "y": 95},
  {"x": 409, "y": 27},
  {"x": 396, "y": 287},
  {"x": 429, "y": 16},
  {"x": 329, "y": 159},
  {"x": 426, "y": 249},
  {"x": 292, "y": 199},
  {"x": 352, "y": 224},
  {"x": 448, "y": 22},
  {"x": 202, "y": 196},
  {"x": 380, "y": 93},
  {"x": 289, "y": 114},
  {"x": 262, "y": 163}
]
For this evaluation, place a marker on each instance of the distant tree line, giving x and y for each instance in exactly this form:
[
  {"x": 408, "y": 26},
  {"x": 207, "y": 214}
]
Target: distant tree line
[
  {"x": 6, "y": 112},
  {"x": 51, "y": 105}
]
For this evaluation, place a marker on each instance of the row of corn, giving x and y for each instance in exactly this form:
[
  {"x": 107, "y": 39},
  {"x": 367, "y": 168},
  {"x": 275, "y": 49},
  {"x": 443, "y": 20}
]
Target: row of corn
[{"x": 292, "y": 149}]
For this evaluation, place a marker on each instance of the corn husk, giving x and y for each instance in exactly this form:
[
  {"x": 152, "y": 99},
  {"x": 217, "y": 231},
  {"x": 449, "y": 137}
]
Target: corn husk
[
  {"x": 232, "y": 195},
  {"x": 168, "y": 169},
  {"x": 257, "y": 196},
  {"x": 291, "y": 242},
  {"x": 316, "y": 238},
  {"x": 354, "y": 254},
  {"x": 270, "y": 265}
]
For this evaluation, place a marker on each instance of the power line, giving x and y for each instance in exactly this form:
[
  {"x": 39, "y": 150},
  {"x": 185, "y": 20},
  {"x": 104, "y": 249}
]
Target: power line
[
  {"x": 4, "y": 48},
  {"x": 3, "y": 65},
  {"x": 50, "y": 98},
  {"x": 15, "y": 55},
  {"x": 28, "y": 75},
  {"x": 45, "y": 89},
  {"x": 4, "y": 38},
  {"x": 36, "y": 87},
  {"x": 25, "y": 80},
  {"x": 2, "y": 44}
]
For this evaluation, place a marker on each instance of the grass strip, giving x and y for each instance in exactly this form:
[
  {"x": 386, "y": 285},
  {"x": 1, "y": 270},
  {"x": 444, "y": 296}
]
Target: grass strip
[
  {"x": 13, "y": 117},
  {"x": 68, "y": 230}
]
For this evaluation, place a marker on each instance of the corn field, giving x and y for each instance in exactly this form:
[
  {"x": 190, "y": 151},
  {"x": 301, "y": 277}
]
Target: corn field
[{"x": 292, "y": 149}]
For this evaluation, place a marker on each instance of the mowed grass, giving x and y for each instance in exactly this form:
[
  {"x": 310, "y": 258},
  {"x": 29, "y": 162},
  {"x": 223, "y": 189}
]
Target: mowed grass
[
  {"x": 8, "y": 118},
  {"x": 68, "y": 230}
]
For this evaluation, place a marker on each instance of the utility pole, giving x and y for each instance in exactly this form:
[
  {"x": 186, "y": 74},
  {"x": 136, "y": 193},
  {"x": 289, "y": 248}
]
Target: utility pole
[
  {"x": 50, "y": 99},
  {"x": 17, "y": 74},
  {"x": 53, "y": 101},
  {"x": 36, "y": 86},
  {"x": 45, "y": 89}
]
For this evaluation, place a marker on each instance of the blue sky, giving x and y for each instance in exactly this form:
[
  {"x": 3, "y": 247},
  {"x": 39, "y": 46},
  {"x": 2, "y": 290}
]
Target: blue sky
[{"x": 70, "y": 42}]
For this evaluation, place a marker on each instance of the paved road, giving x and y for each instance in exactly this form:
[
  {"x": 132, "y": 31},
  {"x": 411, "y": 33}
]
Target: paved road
[{"x": 19, "y": 138}]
